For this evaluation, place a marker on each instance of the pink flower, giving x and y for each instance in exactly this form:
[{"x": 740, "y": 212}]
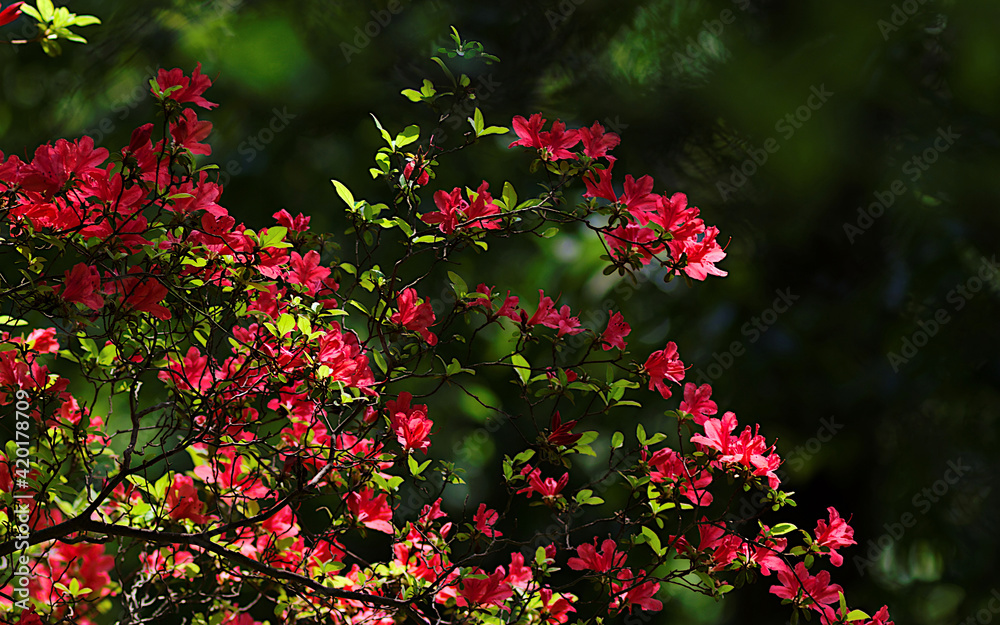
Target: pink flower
[
  {"x": 371, "y": 511},
  {"x": 423, "y": 177},
  {"x": 547, "y": 488},
  {"x": 191, "y": 88},
  {"x": 410, "y": 424},
  {"x": 663, "y": 365},
  {"x": 81, "y": 283},
  {"x": 881, "y": 617},
  {"x": 7, "y": 16},
  {"x": 812, "y": 591},
  {"x": 834, "y": 535},
  {"x": 415, "y": 317},
  {"x": 617, "y": 330},
  {"x": 306, "y": 270},
  {"x": 591, "y": 560},
  {"x": 493, "y": 590},
  {"x": 698, "y": 402},
  {"x": 142, "y": 294},
  {"x": 484, "y": 520},
  {"x": 554, "y": 144},
  {"x": 183, "y": 502},
  {"x": 596, "y": 142},
  {"x": 299, "y": 224},
  {"x": 630, "y": 593}
]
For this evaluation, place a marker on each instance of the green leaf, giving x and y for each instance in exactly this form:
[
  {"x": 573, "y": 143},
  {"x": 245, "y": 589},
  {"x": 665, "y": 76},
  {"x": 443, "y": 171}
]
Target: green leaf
[
  {"x": 653, "y": 540},
  {"x": 509, "y": 196},
  {"x": 7, "y": 320},
  {"x": 45, "y": 9},
  {"x": 477, "y": 122},
  {"x": 522, "y": 367},
  {"x": 412, "y": 95},
  {"x": 385, "y": 134},
  {"x": 286, "y": 323},
  {"x": 408, "y": 136},
  {"x": 857, "y": 615},
  {"x": 274, "y": 236},
  {"x": 551, "y": 232},
  {"x": 415, "y": 467},
  {"x": 456, "y": 280},
  {"x": 30, "y": 11},
  {"x": 617, "y": 440},
  {"x": 344, "y": 193},
  {"x": 494, "y": 130},
  {"x": 85, "y": 20},
  {"x": 640, "y": 433},
  {"x": 782, "y": 528},
  {"x": 380, "y": 360}
]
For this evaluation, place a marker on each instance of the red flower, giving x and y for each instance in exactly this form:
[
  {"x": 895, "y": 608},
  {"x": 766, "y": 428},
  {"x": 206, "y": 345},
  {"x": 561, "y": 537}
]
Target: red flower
[
  {"x": 80, "y": 285},
  {"x": 371, "y": 511},
  {"x": 306, "y": 270},
  {"x": 449, "y": 207},
  {"x": 7, "y": 16},
  {"x": 617, "y": 330},
  {"x": 188, "y": 131},
  {"x": 143, "y": 295},
  {"x": 183, "y": 501},
  {"x": 415, "y": 317},
  {"x": 812, "y": 591},
  {"x": 454, "y": 210},
  {"x": 484, "y": 520},
  {"x": 663, "y": 365},
  {"x": 554, "y": 144},
  {"x": 493, "y": 590},
  {"x": 562, "y": 433},
  {"x": 191, "y": 88},
  {"x": 881, "y": 617},
  {"x": 547, "y": 488},
  {"x": 410, "y": 424},
  {"x": 596, "y": 142},
  {"x": 834, "y": 535},
  {"x": 698, "y": 403},
  {"x": 422, "y": 178},
  {"x": 629, "y": 593},
  {"x": 591, "y": 560},
  {"x": 527, "y": 131},
  {"x": 299, "y": 224},
  {"x": 557, "y": 610},
  {"x": 53, "y": 166}
]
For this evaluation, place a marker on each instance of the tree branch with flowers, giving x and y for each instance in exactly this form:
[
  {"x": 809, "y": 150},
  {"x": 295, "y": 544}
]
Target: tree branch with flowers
[{"x": 196, "y": 393}]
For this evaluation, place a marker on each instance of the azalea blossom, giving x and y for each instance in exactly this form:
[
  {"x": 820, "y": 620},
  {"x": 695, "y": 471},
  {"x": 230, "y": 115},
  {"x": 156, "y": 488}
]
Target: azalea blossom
[
  {"x": 617, "y": 330},
  {"x": 835, "y": 534},
  {"x": 663, "y": 365},
  {"x": 415, "y": 317},
  {"x": 590, "y": 559},
  {"x": 811, "y": 591}
]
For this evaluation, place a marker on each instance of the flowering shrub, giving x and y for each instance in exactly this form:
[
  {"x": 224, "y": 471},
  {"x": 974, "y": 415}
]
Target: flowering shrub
[{"x": 195, "y": 393}]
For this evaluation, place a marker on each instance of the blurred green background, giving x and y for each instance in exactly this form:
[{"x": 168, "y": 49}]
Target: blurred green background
[{"x": 876, "y": 208}]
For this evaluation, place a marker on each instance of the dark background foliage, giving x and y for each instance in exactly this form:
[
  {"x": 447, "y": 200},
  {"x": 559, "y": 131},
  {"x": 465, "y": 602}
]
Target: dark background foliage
[{"x": 697, "y": 90}]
